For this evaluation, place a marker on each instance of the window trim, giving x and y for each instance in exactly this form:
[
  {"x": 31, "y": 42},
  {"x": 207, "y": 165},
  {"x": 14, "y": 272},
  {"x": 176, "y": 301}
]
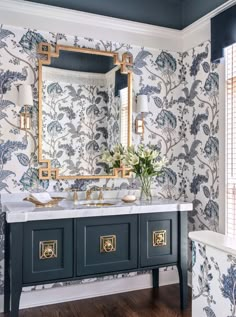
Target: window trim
[{"x": 222, "y": 147}]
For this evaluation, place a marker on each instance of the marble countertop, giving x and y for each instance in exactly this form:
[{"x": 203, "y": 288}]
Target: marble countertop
[
  {"x": 216, "y": 240},
  {"x": 20, "y": 213}
]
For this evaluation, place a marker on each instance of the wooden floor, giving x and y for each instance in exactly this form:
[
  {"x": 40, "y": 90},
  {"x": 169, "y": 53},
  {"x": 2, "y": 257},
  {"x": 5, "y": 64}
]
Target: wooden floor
[{"x": 162, "y": 302}]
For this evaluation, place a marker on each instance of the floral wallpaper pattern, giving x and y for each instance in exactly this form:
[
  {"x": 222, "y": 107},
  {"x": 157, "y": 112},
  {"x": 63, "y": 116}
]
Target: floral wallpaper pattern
[
  {"x": 114, "y": 119},
  {"x": 182, "y": 122},
  {"x": 200, "y": 153},
  {"x": 75, "y": 127},
  {"x": 214, "y": 280}
]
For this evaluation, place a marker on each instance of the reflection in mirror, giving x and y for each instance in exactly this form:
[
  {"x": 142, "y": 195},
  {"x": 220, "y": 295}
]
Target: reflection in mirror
[{"x": 85, "y": 111}]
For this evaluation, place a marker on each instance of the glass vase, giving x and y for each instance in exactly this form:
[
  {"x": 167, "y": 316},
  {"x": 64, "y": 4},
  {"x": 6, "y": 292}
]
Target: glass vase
[{"x": 145, "y": 181}]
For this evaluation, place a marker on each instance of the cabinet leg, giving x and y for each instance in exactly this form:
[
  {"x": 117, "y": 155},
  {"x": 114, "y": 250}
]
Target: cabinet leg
[
  {"x": 183, "y": 258},
  {"x": 6, "y": 271},
  {"x": 15, "y": 302},
  {"x": 16, "y": 267},
  {"x": 183, "y": 284},
  {"x": 6, "y": 301},
  {"x": 155, "y": 278}
]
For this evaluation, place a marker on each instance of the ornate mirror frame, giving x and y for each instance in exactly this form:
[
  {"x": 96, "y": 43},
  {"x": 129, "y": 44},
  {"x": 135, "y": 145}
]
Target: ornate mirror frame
[{"x": 45, "y": 54}]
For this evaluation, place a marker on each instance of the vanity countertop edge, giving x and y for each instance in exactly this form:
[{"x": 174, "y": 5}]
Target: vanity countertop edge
[{"x": 138, "y": 207}]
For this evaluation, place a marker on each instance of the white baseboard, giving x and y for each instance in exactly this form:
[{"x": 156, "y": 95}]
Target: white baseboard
[{"x": 95, "y": 289}]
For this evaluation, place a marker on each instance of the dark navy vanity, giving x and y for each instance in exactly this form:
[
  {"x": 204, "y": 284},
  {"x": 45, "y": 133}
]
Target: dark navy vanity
[{"x": 81, "y": 246}]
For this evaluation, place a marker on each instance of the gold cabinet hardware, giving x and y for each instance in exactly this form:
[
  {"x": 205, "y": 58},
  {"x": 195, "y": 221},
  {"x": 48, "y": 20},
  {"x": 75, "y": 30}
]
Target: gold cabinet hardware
[
  {"x": 107, "y": 244},
  {"x": 48, "y": 249},
  {"x": 159, "y": 238}
]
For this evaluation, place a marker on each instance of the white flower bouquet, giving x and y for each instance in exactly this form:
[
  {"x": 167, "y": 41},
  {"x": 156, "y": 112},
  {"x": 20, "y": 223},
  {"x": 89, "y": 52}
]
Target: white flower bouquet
[
  {"x": 144, "y": 161},
  {"x": 114, "y": 158}
]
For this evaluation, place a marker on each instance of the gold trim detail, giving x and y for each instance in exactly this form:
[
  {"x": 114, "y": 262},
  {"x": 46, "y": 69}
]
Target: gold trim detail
[
  {"x": 47, "y": 249},
  {"x": 107, "y": 244},
  {"x": 45, "y": 54},
  {"x": 159, "y": 238}
]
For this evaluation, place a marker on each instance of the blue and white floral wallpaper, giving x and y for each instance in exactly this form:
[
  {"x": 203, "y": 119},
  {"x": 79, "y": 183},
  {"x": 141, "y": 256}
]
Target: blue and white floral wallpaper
[
  {"x": 214, "y": 282},
  {"x": 182, "y": 90},
  {"x": 75, "y": 126}
]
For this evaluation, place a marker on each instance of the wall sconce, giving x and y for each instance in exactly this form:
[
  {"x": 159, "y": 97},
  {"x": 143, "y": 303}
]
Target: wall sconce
[
  {"x": 141, "y": 107},
  {"x": 25, "y": 99}
]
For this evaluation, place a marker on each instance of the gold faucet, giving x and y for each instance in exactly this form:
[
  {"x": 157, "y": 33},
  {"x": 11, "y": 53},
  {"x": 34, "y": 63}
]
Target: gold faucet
[
  {"x": 100, "y": 196},
  {"x": 88, "y": 193},
  {"x": 75, "y": 195}
]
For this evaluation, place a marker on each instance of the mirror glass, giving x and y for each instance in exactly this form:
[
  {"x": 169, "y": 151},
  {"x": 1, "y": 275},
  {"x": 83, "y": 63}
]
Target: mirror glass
[{"x": 85, "y": 111}]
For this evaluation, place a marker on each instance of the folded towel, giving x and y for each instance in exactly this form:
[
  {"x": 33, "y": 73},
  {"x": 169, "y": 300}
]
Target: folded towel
[{"x": 43, "y": 198}]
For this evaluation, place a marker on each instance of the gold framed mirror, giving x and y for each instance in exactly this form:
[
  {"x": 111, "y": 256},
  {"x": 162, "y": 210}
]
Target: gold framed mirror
[{"x": 85, "y": 108}]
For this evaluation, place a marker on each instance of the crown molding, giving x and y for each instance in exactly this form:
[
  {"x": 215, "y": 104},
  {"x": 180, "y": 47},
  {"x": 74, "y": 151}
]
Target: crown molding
[
  {"x": 63, "y": 14},
  {"x": 20, "y": 13}
]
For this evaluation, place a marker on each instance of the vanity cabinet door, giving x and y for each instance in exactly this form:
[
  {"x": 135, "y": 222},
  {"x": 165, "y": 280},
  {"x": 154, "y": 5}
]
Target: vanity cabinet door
[
  {"x": 47, "y": 250},
  {"x": 158, "y": 239},
  {"x": 106, "y": 244}
]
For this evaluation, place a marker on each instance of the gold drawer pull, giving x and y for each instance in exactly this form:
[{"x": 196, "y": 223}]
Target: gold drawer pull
[
  {"x": 47, "y": 249},
  {"x": 107, "y": 244},
  {"x": 159, "y": 238}
]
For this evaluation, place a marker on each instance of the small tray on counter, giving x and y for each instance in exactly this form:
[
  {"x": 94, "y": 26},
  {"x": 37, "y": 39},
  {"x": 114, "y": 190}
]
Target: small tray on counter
[{"x": 52, "y": 203}]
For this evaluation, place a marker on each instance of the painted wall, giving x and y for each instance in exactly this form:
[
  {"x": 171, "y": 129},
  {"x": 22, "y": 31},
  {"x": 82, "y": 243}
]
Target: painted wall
[
  {"x": 214, "y": 280},
  {"x": 182, "y": 90}
]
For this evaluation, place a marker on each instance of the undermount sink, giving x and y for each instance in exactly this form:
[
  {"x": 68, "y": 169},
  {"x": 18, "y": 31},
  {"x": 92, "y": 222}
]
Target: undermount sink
[
  {"x": 88, "y": 203},
  {"x": 99, "y": 204}
]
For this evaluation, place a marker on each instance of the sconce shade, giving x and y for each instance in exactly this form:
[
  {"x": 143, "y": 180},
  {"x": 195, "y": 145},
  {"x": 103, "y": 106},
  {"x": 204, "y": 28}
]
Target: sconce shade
[
  {"x": 142, "y": 104},
  {"x": 25, "y": 96}
]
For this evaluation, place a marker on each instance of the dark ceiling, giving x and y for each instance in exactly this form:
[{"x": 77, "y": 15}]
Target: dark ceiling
[
  {"x": 193, "y": 10},
  {"x": 175, "y": 14}
]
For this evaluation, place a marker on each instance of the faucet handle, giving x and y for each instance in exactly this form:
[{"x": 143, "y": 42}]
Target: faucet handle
[
  {"x": 75, "y": 197},
  {"x": 75, "y": 194},
  {"x": 88, "y": 194},
  {"x": 100, "y": 196}
]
